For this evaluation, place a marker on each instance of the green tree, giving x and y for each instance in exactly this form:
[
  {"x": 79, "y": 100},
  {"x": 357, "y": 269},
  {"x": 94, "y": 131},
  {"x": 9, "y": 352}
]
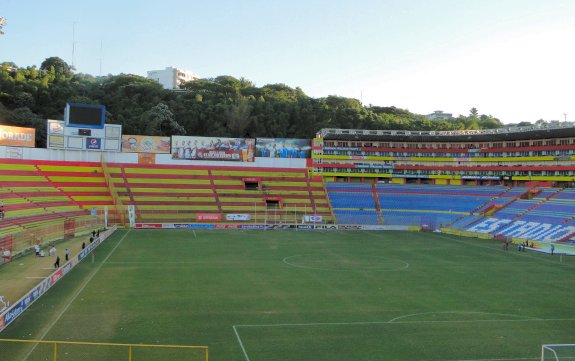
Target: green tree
[
  {"x": 159, "y": 120},
  {"x": 57, "y": 65}
]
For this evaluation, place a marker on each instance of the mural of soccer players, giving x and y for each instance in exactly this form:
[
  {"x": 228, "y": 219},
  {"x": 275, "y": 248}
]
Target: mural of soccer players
[
  {"x": 207, "y": 148},
  {"x": 283, "y": 148}
]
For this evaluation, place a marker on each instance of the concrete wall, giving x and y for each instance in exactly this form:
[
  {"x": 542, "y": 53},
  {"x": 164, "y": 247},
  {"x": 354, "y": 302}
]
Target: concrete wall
[{"x": 113, "y": 157}]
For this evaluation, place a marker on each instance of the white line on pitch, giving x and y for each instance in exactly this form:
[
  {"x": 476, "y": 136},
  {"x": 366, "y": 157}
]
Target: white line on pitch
[
  {"x": 194, "y": 233},
  {"x": 69, "y": 303},
  {"x": 400, "y": 322},
  {"x": 241, "y": 343},
  {"x": 502, "y": 359}
]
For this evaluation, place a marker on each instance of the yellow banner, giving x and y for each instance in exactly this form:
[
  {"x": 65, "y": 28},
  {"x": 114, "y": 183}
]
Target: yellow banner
[
  {"x": 17, "y": 137},
  {"x": 145, "y": 144}
]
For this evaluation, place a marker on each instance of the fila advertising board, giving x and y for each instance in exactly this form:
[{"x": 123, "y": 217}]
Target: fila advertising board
[
  {"x": 208, "y": 148},
  {"x": 17, "y": 136}
]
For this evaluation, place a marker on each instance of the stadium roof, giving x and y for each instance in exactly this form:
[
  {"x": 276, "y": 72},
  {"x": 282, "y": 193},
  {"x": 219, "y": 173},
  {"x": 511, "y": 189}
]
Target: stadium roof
[{"x": 544, "y": 131}]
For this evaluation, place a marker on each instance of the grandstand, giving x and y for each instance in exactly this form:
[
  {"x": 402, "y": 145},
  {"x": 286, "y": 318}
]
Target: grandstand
[
  {"x": 454, "y": 180},
  {"x": 514, "y": 184},
  {"x": 166, "y": 193}
]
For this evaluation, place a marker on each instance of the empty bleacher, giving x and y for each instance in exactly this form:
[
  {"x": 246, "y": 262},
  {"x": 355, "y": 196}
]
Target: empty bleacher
[
  {"x": 432, "y": 205},
  {"x": 353, "y": 203},
  {"x": 166, "y": 193}
]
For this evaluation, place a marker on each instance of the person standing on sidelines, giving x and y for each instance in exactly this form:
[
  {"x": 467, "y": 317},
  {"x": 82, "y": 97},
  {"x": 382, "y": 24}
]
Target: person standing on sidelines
[
  {"x": 67, "y": 254},
  {"x": 552, "y": 249},
  {"x": 57, "y": 263}
]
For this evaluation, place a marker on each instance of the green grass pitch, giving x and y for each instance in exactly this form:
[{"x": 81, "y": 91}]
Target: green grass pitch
[{"x": 306, "y": 296}]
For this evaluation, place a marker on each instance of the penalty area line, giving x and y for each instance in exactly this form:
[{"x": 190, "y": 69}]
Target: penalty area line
[{"x": 241, "y": 343}]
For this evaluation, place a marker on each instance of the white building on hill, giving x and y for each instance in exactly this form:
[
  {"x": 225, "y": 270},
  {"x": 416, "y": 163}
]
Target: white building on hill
[
  {"x": 172, "y": 78},
  {"x": 439, "y": 115}
]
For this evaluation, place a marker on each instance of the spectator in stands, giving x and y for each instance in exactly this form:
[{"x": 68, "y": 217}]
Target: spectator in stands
[
  {"x": 57, "y": 263},
  {"x": 2, "y": 212}
]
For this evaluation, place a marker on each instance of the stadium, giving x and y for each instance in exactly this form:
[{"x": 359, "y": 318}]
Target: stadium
[{"x": 355, "y": 245}]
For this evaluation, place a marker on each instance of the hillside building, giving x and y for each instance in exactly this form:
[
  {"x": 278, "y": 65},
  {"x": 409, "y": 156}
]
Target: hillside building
[{"x": 172, "y": 78}]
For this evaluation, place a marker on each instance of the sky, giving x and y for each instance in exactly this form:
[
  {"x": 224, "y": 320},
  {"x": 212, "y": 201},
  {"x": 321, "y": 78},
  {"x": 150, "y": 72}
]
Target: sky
[{"x": 512, "y": 59}]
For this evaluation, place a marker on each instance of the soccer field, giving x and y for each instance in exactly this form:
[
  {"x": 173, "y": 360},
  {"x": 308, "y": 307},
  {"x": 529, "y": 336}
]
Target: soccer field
[{"x": 306, "y": 296}]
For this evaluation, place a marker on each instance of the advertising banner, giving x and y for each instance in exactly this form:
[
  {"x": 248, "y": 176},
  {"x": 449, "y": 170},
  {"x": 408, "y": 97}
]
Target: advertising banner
[
  {"x": 147, "y": 158},
  {"x": 327, "y": 227},
  {"x": 14, "y": 153},
  {"x": 206, "y": 148},
  {"x": 145, "y": 144},
  {"x": 149, "y": 225},
  {"x": 212, "y": 217},
  {"x": 227, "y": 226},
  {"x": 22, "y": 304},
  {"x": 313, "y": 219},
  {"x": 238, "y": 217},
  {"x": 283, "y": 148},
  {"x": 56, "y": 141},
  {"x": 93, "y": 143},
  {"x": 480, "y": 177},
  {"x": 17, "y": 137},
  {"x": 132, "y": 215},
  {"x": 252, "y": 226},
  {"x": 201, "y": 226}
]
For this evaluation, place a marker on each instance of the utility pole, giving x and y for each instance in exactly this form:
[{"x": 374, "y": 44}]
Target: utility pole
[
  {"x": 101, "y": 45},
  {"x": 73, "y": 42}
]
